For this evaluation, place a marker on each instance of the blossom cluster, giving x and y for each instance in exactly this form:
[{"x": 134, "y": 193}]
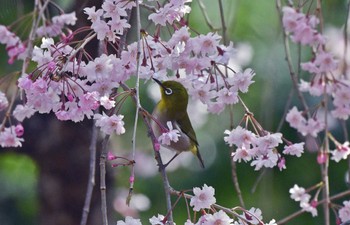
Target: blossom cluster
[
  {"x": 311, "y": 126},
  {"x": 327, "y": 78},
  {"x": 300, "y": 195},
  {"x": 261, "y": 150},
  {"x": 56, "y": 25},
  {"x": 204, "y": 199},
  {"x": 14, "y": 46},
  {"x": 115, "y": 13},
  {"x": 172, "y": 11}
]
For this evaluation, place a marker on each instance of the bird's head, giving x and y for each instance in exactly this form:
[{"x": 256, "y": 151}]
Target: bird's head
[{"x": 174, "y": 94}]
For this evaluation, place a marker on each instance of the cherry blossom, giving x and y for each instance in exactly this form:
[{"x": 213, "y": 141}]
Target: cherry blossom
[
  {"x": 294, "y": 149},
  {"x": 239, "y": 137},
  {"x": 203, "y": 198},
  {"x": 344, "y": 212},
  {"x": 341, "y": 152},
  {"x": 129, "y": 221},
  {"x": 171, "y": 136},
  {"x": 9, "y": 137},
  {"x": 312, "y": 126},
  {"x": 159, "y": 220},
  {"x": 19, "y": 130},
  {"x": 219, "y": 217},
  {"x": 110, "y": 124},
  {"x": 55, "y": 27},
  {"x": 298, "y": 194},
  {"x": 174, "y": 10},
  {"x": 14, "y": 46}
]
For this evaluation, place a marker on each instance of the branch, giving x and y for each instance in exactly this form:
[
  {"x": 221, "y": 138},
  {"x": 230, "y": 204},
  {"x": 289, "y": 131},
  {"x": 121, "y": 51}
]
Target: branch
[
  {"x": 301, "y": 211},
  {"x": 155, "y": 144},
  {"x": 92, "y": 172},
  {"x": 103, "y": 159},
  {"x": 137, "y": 99},
  {"x": 288, "y": 58}
]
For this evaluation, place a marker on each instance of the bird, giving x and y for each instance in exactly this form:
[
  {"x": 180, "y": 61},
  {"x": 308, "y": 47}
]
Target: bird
[{"x": 173, "y": 107}]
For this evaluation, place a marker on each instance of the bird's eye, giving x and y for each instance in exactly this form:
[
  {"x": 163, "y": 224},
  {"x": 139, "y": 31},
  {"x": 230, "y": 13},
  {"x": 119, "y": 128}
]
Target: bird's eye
[{"x": 168, "y": 91}]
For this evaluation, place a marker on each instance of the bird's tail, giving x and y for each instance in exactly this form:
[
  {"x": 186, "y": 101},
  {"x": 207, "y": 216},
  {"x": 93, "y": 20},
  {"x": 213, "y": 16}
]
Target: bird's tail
[
  {"x": 195, "y": 151},
  {"x": 200, "y": 158}
]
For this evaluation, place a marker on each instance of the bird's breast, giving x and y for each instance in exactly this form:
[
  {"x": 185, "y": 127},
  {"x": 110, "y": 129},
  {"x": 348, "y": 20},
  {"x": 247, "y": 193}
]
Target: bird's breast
[{"x": 160, "y": 118}]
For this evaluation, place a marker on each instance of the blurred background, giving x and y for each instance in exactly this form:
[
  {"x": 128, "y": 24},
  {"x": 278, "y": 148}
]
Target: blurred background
[{"x": 44, "y": 182}]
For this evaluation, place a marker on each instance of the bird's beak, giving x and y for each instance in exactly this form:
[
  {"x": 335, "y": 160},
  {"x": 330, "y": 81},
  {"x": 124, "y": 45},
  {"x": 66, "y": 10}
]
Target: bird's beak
[{"x": 158, "y": 82}]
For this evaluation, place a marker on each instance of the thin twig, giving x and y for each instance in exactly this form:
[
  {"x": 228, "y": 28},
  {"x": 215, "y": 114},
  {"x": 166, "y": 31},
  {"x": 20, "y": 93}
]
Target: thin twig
[
  {"x": 103, "y": 159},
  {"x": 301, "y": 211},
  {"x": 236, "y": 183},
  {"x": 345, "y": 64},
  {"x": 92, "y": 171},
  {"x": 137, "y": 96},
  {"x": 288, "y": 58},
  {"x": 223, "y": 23},
  {"x": 166, "y": 184},
  {"x": 205, "y": 14},
  {"x": 286, "y": 109}
]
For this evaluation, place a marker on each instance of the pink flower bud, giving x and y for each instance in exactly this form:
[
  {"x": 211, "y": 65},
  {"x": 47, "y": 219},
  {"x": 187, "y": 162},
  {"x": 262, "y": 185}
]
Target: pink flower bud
[
  {"x": 70, "y": 97},
  {"x": 19, "y": 130},
  {"x": 248, "y": 216},
  {"x": 321, "y": 158},
  {"x": 131, "y": 179},
  {"x": 313, "y": 203},
  {"x": 157, "y": 146},
  {"x": 110, "y": 156},
  {"x": 338, "y": 221}
]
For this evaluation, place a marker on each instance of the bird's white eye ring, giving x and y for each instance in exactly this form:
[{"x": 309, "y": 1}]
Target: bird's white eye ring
[{"x": 168, "y": 91}]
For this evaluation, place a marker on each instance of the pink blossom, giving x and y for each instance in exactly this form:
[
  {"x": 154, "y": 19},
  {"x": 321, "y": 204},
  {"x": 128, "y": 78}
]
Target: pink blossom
[
  {"x": 159, "y": 220},
  {"x": 281, "y": 163},
  {"x": 19, "y": 130},
  {"x": 89, "y": 101},
  {"x": 201, "y": 91},
  {"x": 93, "y": 15},
  {"x": 110, "y": 124},
  {"x": 170, "y": 12},
  {"x": 312, "y": 126},
  {"x": 9, "y": 138},
  {"x": 265, "y": 144},
  {"x": 242, "y": 153},
  {"x": 306, "y": 206},
  {"x": 23, "y": 111},
  {"x": 299, "y": 194},
  {"x": 216, "y": 107},
  {"x": 239, "y": 137},
  {"x": 295, "y": 118},
  {"x": 344, "y": 212},
  {"x": 217, "y": 218},
  {"x": 228, "y": 96},
  {"x": 129, "y": 221},
  {"x": 99, "y": 69},
  {"x": 203, "y": 198},
  {"x": 341, "y": 152},
  {"x": 206, "y": 44},
  {"x": 294, "y": 149},
  {"x": 253, "y": 216},
  {"x": 269, "y": 160},
  {"x": 106, "y": 102},
  {"x": 242, "y": 80},
  {"x": 171, "y": 136},
  {"x": 25, "y": 83}
]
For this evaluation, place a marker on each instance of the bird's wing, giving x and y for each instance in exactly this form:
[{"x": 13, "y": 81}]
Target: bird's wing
[{"x": 186, "y": 127}]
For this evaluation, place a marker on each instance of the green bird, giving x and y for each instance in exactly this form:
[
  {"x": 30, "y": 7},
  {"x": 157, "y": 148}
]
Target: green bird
[{"x": 173, "y": 107}]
